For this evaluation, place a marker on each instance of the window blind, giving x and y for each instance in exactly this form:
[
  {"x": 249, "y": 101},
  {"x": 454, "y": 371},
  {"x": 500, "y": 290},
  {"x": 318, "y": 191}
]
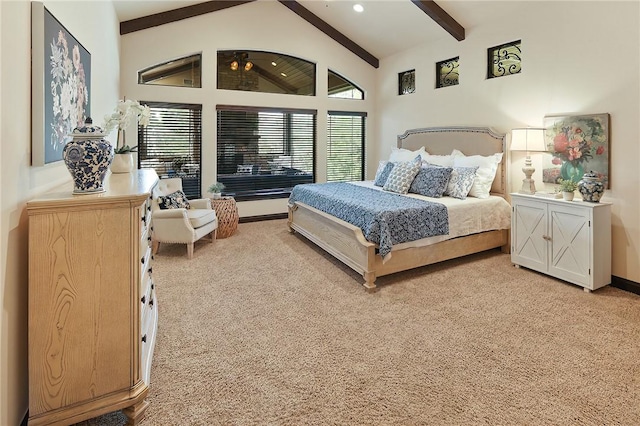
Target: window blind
[
  {"x": 264, "y": 152},
  {"x": 172, "y": 143},
  {"x": 345, "y": 146}
]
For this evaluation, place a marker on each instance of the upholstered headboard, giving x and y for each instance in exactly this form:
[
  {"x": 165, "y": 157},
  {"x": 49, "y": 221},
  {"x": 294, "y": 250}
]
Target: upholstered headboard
[{"x": 468, "y": 140}]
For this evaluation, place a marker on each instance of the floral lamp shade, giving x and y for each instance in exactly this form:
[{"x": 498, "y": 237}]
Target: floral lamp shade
[{"x": 530, "y": 140}]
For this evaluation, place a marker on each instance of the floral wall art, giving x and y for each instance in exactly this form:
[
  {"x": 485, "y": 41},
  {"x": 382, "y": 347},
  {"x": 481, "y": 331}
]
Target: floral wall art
[
  {"x": 578, "y": 144},
  {"x": 61, "y": 82}
]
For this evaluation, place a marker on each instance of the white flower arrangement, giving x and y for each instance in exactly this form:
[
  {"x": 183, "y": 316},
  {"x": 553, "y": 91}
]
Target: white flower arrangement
[{"x": 124, "y": 114}]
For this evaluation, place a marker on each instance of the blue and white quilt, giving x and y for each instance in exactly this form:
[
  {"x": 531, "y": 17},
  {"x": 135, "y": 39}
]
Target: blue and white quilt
[{"x": 385, "y": 218}]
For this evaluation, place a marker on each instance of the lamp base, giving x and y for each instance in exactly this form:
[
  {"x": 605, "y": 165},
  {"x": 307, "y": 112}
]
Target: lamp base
[{"x": 528, "y": 187}]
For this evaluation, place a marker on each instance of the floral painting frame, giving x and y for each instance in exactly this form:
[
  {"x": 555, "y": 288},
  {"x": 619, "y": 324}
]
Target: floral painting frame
[
  {"x": 60, "y": 85},
  {"x": 577, "y": 144}
]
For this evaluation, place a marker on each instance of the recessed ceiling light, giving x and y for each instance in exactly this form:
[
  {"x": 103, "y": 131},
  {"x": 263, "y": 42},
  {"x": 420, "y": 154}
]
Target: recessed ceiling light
[
  {"x": 274, "y": 64},
  {"x": 358, "y": 7},
  {"x": 283, "y": 74}
]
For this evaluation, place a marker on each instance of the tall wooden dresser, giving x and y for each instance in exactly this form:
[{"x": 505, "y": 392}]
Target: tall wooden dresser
[{"x": 92, "y": 306}]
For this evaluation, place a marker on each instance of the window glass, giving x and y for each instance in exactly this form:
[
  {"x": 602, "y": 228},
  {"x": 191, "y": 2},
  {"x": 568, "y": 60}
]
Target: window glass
[
  {"x": 505, "y": 59},
  {"x": 182, "y": 72},
  {"x": 407, "y": 82},
  {"x": 447, "y": 72},
  {"x": 345, "y": 146},
  {"x": 340, "y": 87},
  {"x": 171, "y": 144},
  {"x": 269, "y": 72},
  {"x": 264, "y": 152}
]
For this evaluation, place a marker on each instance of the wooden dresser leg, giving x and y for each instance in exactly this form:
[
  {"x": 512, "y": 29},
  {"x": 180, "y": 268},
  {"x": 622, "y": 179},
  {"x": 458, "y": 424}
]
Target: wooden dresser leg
[
  {"x": 189, "y": 250},
  {"x": 135, "y": 413}
]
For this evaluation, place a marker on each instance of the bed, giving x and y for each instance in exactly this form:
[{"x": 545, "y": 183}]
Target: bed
[{"x": 347, "y": 243}]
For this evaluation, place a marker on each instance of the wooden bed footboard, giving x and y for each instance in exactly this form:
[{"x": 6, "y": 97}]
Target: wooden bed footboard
[{"x": 346, "y": 243}]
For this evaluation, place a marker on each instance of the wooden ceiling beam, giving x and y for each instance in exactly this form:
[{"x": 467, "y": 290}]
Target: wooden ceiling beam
[
  {"x": 441, "y": 17},
  {"x": 179, "y": 14},
  {"x": 336, "y": 35}
]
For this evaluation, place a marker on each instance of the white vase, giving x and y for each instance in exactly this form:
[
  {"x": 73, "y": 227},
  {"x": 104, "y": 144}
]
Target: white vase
[
  {"x": 122, "y": 163},
  {"x": 567, "y": 196}
]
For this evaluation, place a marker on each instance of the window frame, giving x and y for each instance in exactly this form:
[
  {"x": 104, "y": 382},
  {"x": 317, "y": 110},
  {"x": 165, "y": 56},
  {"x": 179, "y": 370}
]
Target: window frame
[
  {"x": 362, "y": 142},
  {"x": 287, "y": 146},
  {"x": 191, "y": 181}
]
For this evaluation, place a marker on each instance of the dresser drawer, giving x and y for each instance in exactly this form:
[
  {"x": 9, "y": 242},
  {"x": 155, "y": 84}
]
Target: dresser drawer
[
  {"x": 145, "y": 243},
  {"x": 148, "y": 336},
  {"x": 146, "y": 270},
  {"x": 145, "y": 298}
]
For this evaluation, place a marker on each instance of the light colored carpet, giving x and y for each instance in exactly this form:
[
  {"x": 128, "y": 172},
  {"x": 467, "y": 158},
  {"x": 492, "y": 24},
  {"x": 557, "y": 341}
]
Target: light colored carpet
[{"x": 264, "y": 328}]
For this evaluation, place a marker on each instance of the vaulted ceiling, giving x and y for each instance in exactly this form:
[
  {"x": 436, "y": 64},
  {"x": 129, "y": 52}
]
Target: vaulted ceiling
[{"x": 384, "y": 27}]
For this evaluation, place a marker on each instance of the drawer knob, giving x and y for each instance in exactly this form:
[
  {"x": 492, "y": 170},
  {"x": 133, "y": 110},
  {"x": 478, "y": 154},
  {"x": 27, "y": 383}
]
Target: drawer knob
[
  {"x": 546, "y": 238},
  {"x": 144, "y": 299},
  {"x": 144, "y": 338}
]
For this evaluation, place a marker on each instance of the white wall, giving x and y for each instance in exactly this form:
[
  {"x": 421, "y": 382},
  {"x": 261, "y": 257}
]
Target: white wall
[
  {"x": 579, "y": 57},
  {"x": 95, "y": 25},
  {"x": 246, "y": 27}
]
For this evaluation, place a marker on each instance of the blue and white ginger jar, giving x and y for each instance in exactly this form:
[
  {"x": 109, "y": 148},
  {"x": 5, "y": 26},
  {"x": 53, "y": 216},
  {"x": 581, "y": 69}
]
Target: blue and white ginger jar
[
  {"x": 88, "y": 156},
  {"x": 591, "y": 187}
]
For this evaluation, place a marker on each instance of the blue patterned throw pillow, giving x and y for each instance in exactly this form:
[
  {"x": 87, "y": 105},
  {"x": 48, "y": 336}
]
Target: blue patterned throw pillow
[
  {"x": 401, "y": 176},
  {"x": 460, "y": 182},
  {"x": 383, "y": 172},
  {"x": 175, "y": 200},
  {"x": 431, "y": 181}
]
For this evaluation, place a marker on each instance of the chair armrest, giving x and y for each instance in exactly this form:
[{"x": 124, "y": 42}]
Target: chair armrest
[
  {"x": 169, "y": 213},
  {"x": 200, "y": 203}
]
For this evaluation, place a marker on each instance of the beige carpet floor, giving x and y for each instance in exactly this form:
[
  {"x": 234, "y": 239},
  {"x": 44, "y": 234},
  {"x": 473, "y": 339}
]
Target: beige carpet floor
[{"x": 265, "y": 328}]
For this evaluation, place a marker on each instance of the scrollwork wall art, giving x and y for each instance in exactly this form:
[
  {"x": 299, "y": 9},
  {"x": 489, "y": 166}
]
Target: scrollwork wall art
[{"x": 60, "y": 85}]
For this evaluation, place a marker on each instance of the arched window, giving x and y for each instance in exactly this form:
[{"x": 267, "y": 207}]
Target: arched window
[
  {"x": 268, "y": 72},
  {"x": 181, "y": 72},
  {"x": 340, "y": 87}
]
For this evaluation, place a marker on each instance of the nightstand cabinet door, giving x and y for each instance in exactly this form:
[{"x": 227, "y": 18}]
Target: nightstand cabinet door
[
  {"x": 570, "y": 244},
  {"x": 528, "y": 231},
  {"x": 570, "y": 240}
]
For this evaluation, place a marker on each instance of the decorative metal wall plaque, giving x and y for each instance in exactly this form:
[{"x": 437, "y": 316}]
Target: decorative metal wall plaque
[
  {"x": 407, "y": 82},
  {"x": 447, "y": 73},
  {"x": 504, "y": 59}
]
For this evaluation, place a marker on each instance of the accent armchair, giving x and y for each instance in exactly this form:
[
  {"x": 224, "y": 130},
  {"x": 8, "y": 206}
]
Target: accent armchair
[{"x": 181, "y": 225}]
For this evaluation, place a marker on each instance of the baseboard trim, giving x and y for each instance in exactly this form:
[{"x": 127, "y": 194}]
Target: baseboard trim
[
  {"x": 625, "y": 284},
  {"x": 264, "y": 217}
]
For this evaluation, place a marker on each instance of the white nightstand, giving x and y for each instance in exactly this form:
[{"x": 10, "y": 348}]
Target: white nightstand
[{"x": 570, "y": 240}]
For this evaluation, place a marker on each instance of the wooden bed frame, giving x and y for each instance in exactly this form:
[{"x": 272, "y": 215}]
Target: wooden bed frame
[{"x": 347, "y": 243}]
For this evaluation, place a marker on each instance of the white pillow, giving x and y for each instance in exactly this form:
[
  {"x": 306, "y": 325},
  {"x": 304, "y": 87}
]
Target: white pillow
[
  {"x": 487, "y": 167},
  {"x": 441, "y": 160},
  {"x": 401, "y": 154}
]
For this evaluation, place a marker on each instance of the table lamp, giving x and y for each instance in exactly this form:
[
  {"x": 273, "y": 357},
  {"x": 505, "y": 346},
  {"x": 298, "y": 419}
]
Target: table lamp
[{"x": 530, "y": 140}]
